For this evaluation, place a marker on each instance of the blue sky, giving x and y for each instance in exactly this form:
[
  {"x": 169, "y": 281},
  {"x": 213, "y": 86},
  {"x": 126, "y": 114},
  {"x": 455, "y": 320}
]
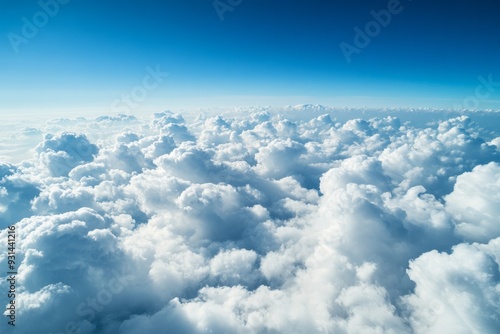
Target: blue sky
[{"x": 263, "y": 53}]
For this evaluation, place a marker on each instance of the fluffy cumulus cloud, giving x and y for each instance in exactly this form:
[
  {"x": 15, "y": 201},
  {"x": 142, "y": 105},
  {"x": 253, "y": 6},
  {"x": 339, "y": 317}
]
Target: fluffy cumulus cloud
[{"x": 302, "y": 220}]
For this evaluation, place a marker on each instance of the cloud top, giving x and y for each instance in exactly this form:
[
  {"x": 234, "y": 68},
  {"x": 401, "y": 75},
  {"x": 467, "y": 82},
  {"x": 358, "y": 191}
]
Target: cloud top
[{"x": 258, "y": 223}]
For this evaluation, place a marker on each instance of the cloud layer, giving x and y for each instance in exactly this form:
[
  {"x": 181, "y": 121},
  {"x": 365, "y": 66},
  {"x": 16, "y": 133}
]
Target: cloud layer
[{"x": 257, "y": 223}]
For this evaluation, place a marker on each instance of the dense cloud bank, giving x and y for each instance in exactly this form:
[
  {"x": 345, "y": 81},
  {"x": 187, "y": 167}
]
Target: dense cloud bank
[{"x": 261, "y": 223}]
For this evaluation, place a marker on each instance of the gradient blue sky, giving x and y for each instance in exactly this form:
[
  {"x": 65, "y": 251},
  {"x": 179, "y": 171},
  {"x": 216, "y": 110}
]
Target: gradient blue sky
[{"x": 263, "y": 53}]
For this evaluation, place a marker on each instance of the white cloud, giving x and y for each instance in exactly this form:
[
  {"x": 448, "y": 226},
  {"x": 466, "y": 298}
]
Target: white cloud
[
  {"x": 456, "y": 292},
  {"x": 311, "y": 220},
  {"x": 61, "y": 153},
  {"x": 475, "y": 203}
]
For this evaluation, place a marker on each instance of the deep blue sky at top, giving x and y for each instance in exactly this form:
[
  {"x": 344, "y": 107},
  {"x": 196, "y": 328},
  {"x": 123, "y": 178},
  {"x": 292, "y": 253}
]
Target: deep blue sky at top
[{"x": 263, "y": 52}]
